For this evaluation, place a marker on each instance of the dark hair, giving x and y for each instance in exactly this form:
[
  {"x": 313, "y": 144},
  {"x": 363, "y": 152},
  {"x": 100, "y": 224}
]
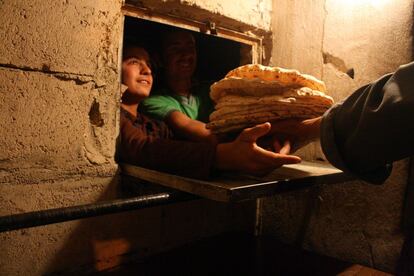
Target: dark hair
[{"x": 132, "y": 42}]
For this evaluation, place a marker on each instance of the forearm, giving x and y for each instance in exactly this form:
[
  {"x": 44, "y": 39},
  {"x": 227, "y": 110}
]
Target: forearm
[
  {"x": 191, "y": 159},
  {"x": 189, "y": 129},
  {"x": 176, "y": 157},
  {"x": 373, "y": 127}
]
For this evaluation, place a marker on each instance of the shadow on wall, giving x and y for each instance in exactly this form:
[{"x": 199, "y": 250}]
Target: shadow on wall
[
  {"x": 90, "y": 238},
  {"x": 104, "y": 242}
]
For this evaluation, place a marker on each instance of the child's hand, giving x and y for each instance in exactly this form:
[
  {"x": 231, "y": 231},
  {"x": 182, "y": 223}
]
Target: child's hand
[{"x": 243, "y": 154}]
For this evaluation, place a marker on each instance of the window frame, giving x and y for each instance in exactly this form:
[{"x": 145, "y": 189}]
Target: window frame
[{"x": 254, "y": 42}]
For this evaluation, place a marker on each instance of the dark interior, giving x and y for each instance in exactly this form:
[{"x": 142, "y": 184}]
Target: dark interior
[
  {"x": 234, "y": 254},
  {"x": 216, "y": 56}
]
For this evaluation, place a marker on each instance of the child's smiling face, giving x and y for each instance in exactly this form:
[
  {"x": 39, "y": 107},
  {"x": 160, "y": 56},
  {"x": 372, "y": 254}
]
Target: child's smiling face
[{"x": 136, "y": 72}]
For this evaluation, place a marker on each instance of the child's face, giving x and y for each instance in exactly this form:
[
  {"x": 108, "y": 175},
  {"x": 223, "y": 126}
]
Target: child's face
[
  {"x": 136, "y": 72},
  {"x": 179, "y": 55}
]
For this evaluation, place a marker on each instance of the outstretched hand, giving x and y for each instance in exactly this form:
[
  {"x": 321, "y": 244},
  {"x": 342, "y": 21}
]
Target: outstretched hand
[
  {"x": 297, "y": 133},
  {"x": 245, "y": 155}
]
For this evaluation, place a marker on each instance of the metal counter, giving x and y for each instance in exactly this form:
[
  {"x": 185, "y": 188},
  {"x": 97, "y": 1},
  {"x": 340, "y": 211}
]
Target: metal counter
[{"x": 238, "y": 187}]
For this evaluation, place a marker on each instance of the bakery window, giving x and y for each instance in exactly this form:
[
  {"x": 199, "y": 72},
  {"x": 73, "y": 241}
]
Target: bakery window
[{"x": 219, "y": 50}]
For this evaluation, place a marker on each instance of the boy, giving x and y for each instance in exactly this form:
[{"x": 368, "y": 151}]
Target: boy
[
  {"x": 149, "y": 143},
  {"x": 183, "y": 104}
]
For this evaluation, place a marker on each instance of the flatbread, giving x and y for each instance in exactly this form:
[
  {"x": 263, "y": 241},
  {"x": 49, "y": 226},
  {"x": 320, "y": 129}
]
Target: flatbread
[
  {"x": 237, "y": 97},
  {"x": 254, "y": 94},
  {"x": 240, "y": 122},
  {"x": 282, "y": 75},
  {"x": 277, "y": 108}
]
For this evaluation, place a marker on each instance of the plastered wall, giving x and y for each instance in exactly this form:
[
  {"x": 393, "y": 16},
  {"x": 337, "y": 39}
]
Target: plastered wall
[
  {"x": 244, "y": 16},
  {"x": 59, "y": 98},
  {"x": 353, "y": 221},
  {"x": 59, "y": 93},
  {"x": 59, "y": 71},
  {"x": 249, "y": 17}
]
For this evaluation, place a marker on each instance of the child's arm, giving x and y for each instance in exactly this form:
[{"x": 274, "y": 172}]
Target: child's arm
[{"x": 188, "y": 128}]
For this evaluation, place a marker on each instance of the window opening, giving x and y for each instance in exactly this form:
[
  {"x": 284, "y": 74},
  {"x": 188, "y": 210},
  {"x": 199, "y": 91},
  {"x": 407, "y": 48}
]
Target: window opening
[{"x": 215, "y": 55}]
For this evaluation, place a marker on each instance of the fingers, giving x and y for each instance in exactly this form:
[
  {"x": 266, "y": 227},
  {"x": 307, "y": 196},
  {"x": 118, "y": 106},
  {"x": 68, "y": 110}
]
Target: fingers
[
  {"x": 276, "y": 146},
  {"x": 288, "y": 159},
  {"x": 286, "y": 147},
  {"x": 266, "y": 157},
  {"x": 269, "y": 164},
  {"x": 250, "y": 135}
]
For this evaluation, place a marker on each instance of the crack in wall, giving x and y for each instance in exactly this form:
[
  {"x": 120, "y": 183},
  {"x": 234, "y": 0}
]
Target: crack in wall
[
  {"x": 336, "y": 62},
  {"x": 323, "y": 35},
  {"x": 45, "y": 69},
  {"x": 79, "y": 79}
]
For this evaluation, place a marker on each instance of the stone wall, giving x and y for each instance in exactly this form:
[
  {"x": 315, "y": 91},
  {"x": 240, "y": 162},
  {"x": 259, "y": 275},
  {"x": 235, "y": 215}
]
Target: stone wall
[
  {"x": 59, "y": 92},
  {"x": 353, "y": 221},
  {"x": 245, "y": 16}
]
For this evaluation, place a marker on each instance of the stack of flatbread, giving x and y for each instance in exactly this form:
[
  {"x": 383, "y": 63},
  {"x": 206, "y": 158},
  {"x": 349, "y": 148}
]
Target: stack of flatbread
[{"x": 254, "y": 94}]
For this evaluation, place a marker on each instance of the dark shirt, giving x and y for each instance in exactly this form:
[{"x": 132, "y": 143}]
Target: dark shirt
[
  {"x": 373, "y": 127},
  {"x": 150, "y": 143}
]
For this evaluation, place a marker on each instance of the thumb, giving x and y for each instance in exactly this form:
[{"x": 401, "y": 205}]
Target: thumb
[
  {"x": 252, "y": 134},
  {"x": 289, "y": 159}
]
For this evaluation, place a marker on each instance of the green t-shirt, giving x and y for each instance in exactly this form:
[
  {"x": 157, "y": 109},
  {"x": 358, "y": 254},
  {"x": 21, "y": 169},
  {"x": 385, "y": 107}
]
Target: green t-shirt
[{"x": 197, "y": 105}]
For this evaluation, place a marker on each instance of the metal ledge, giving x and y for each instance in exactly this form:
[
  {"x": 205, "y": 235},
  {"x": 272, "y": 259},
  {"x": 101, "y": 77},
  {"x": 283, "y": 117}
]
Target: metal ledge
[
  {"x": 226, "y": 188},
  {"x": 238, "y": 187}
]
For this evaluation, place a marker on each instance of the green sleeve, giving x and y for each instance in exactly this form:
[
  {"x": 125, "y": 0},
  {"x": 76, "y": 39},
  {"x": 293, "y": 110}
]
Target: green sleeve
[{"x": 159, "y": 106}]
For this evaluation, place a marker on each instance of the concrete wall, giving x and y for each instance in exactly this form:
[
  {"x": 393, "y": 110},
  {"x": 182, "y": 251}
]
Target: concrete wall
[
  {"x": 250, "y": 17},
  {"x": 244, "y": 16},
  {"x": 59, "y": 89},
  {"x": 59, "y": 93},
  {"x": 353, "y": 221}
]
